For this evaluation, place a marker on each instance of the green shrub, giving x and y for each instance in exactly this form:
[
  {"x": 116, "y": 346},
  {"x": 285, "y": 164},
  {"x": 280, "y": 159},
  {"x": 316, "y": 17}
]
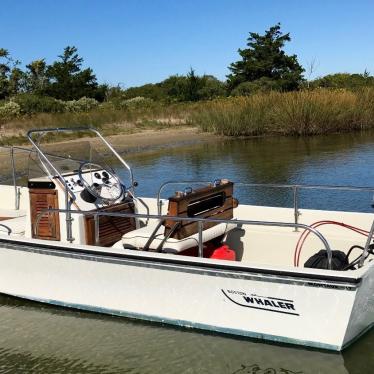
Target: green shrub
[
  {"x": 31, "y": 104},
  {"x": 260, "y": 85},
  {"x": 84, "y": 104},
  {"x": 344, "y": 80},
  {"x": 212, "y": 88},
  {"x": 9, "y": 110}
]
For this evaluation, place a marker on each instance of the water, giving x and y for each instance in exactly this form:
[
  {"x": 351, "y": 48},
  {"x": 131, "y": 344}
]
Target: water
[
  {"x": 42, "y": 339},
  {"x": 327, "y": 160}
]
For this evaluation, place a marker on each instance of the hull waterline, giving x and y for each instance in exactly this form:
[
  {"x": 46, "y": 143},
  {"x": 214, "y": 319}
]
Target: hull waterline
[{"x": 313, "y": 310}]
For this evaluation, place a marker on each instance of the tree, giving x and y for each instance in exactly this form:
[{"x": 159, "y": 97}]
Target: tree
[
  {"x": 5, "y": 68},
  {"x": 67, "y": 80},
  {"x": 175, "y": 87},
  {"x": 17, "y": 81},
  {"x": 192, "y": 87},
  {"x": 12, "y": 79},
  {"x": 36, "y": 76},
  {"x": 193, "y": 84},
  {"x": 212, "y": 88},
  {"x": 265, "y": 58}
]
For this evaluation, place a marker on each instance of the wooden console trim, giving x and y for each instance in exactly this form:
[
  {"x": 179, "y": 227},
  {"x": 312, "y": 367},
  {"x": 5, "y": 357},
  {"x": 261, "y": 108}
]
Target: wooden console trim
[
  {"x": 49, "y": 224},
  {"x": 111, "y": 229}
]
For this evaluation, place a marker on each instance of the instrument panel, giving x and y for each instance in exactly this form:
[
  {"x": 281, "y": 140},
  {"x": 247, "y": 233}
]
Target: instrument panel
[{"x": 96, "y": 176}]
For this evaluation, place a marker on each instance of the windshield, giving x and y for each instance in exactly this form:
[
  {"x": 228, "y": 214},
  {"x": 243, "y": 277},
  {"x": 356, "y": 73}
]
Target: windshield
[{"x": 54, "y": 155}]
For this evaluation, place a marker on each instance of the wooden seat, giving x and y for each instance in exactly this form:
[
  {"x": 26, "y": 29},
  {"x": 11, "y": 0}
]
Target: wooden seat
[{"x": 177, "y": 236}]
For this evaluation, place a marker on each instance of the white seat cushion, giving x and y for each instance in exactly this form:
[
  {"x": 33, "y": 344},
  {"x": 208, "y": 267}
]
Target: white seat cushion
[
  {"x": 137, "y": 239},
  {"x": 16, "y": 225}
]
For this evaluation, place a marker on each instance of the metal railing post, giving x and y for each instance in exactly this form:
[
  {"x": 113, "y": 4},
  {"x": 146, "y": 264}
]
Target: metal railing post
[
  {"x": 201, "y": 244},
  {"x": 295, "y": 206},
  {"x": 97, "y": 228},
  {"x": 16, "y": 192},
  {"x": 69, "y": 218},
  {"x": 367, "y": 244}
]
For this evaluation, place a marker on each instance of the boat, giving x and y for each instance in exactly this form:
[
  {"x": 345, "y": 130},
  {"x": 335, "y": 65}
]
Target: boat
[{"x": 77, "y": 235}]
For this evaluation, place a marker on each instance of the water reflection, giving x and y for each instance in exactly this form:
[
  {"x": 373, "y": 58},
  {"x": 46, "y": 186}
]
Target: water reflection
[
  {"x": 45, "y": 339},
  {"x": 327, "y": 160}
]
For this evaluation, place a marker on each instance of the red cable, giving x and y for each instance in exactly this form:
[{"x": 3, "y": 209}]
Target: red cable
[
  {"x": 306, "y": 233},
  {"x": 317, "y": 224},
  {"x": 322, "y": 223}
]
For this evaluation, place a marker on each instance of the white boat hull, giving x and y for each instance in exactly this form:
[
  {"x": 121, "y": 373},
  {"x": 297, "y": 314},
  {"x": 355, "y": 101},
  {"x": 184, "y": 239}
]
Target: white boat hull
[{"x": 307, "y": 308}]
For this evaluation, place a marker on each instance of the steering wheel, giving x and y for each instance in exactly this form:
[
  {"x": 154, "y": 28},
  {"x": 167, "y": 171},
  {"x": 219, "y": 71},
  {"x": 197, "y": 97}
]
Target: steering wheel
[{"x": 105, "y": 186}]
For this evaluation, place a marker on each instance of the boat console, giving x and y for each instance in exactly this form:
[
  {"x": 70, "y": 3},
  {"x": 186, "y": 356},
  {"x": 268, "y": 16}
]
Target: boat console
[{"x": 96, "y": 190}]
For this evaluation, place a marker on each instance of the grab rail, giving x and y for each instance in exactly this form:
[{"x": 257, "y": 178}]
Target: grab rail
[
  {"x": 7, "y": 228},
  {"x": 294, "y": 187},
  {"x": 200, "y": 222}
]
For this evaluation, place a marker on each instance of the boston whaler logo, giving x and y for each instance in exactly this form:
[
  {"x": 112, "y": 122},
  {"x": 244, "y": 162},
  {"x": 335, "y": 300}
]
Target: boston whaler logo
[{"x": 270, "y": 304}]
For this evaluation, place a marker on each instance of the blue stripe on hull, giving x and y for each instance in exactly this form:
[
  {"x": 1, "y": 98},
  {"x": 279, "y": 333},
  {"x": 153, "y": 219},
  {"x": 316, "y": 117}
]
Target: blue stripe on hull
[{"x": 189, "y": 324}]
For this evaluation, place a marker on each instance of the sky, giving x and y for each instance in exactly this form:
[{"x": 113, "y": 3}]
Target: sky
[{"x": 133, "y": 42}]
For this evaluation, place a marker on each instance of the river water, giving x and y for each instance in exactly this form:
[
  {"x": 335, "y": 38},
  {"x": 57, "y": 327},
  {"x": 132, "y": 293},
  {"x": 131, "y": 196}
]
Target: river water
[{"x": 42, "y": 339}]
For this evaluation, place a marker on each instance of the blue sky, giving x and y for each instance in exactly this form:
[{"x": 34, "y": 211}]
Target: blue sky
[{"x": 132, "y": 42}]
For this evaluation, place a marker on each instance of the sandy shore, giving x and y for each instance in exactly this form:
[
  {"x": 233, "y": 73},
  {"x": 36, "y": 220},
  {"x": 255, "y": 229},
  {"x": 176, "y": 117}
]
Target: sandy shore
[
  {"x": 143, "y": 141},
  {"x": 146, "y": 140},
  {"x": 150, "y": 139}
]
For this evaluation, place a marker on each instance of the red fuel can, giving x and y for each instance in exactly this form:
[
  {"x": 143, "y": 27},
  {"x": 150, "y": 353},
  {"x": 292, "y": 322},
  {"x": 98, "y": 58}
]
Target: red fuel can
[{"x": 223, "y": 253}]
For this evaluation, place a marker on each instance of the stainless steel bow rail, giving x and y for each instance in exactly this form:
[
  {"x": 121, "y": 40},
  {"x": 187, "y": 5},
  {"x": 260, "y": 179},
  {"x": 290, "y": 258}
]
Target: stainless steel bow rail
[{"x": 200, "y": 222}]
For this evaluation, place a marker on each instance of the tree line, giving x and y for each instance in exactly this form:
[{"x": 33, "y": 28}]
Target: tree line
[
  {"x": 263, "y": 66},
  {"x": 64, "y": 79}
]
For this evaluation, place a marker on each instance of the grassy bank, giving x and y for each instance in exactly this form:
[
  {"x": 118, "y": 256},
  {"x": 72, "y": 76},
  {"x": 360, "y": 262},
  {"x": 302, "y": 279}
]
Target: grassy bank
[
  {"x": 314, "y": 112},
  {"x": 106, "y": 118},
  {"x": 308, "y": 112}
]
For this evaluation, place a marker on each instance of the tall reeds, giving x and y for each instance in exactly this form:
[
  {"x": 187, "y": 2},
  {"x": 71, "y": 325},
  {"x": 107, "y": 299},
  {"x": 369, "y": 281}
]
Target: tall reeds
[{"x": 306, "y": 112}]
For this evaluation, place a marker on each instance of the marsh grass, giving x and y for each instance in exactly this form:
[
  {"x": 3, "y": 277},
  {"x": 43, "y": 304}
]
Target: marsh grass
[
  {"x": 294, "y": 113},
  {"x": 109, "y": 120}
]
